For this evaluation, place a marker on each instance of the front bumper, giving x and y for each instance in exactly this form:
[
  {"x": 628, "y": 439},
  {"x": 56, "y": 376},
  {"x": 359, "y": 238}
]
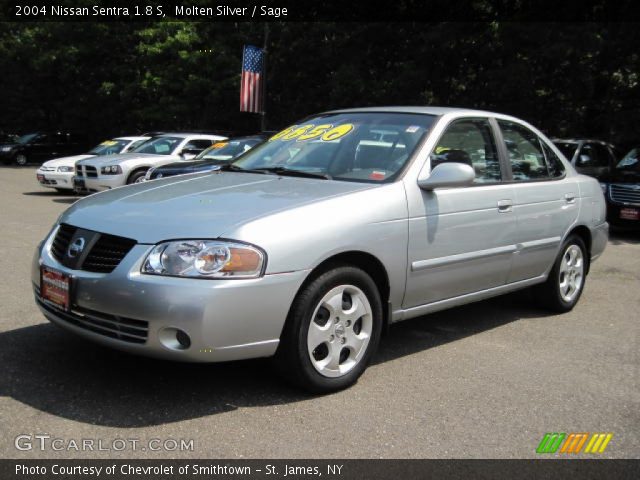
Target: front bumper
[
  {"x": 224, "y": 319},
  {"x": 56, "y": 179},
  {"x": 104, "y": 182}
]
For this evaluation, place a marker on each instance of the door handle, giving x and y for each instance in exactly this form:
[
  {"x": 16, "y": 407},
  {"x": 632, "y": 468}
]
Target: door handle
[
  {"x": 570, "y": 197},
  {"x": 505, "y": 206}
]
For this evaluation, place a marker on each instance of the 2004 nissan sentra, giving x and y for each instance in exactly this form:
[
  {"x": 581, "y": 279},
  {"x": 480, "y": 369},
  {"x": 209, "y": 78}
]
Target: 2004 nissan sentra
[{"x": 305, "y": 247}]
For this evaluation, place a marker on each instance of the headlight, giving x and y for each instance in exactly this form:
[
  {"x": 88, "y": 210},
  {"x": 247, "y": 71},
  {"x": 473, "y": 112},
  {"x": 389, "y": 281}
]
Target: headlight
[
  {"x": 604, "y": 186},
  {"x": 6, "y": 149},
  {"x": 111, "y": 170},
  {"x": 65, "y": 169},
  {"x": 204, "y": 259}
]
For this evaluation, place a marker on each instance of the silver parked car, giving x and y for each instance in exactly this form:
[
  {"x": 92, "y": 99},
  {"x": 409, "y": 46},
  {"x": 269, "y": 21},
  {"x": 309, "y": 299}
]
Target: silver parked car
[{"x": 306, "y": 246}]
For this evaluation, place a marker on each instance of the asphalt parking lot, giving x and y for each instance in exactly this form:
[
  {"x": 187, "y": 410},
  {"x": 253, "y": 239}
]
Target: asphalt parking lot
[{"x": 484, "y": 380}]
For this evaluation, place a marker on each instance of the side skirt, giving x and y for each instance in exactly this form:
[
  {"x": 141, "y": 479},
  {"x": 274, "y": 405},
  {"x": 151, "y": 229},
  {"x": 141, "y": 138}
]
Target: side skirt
[{"x": 399, "y": 315}]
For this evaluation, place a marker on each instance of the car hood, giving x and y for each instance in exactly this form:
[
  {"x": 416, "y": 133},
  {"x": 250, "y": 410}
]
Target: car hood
[
  {"x": 66, "y": 161},
  {"x": 202, "y": 206},
  {"x": 105, "y": 160},
  {"x": 191, "y": 166}
]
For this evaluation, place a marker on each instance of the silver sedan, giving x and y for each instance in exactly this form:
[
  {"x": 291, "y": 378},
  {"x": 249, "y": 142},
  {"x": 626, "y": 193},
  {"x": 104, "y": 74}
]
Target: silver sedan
[{"x": 307, "y": 246}]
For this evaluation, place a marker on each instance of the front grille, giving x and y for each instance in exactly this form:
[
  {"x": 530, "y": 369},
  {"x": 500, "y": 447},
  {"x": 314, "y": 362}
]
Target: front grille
[
  {"x": 91, "y": 171},
  {"x": 625, "y": 194},
  {"x": 103, "y": 257},
  {"x": 107, "y": 253},
  {"x": 121, "y": 328},
  {"x": 61, "y": 241}
]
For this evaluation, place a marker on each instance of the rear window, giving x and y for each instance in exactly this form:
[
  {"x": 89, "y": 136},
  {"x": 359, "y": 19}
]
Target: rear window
[{"x": 568, "y": 149}]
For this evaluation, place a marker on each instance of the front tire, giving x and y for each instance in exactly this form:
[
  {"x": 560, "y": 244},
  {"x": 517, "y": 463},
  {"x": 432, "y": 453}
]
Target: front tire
[
  {"x": 21, "y": 160},
  {"x": 136, "y": 177},
  {"x": 565, "y": 283},
  {"x": 332, "y": 331}
]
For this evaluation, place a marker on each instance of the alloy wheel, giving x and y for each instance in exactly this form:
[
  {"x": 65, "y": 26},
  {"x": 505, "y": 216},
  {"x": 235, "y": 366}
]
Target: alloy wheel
[
  {"x": 339, "y": 331},
  {"x": 571, "y": 273}
]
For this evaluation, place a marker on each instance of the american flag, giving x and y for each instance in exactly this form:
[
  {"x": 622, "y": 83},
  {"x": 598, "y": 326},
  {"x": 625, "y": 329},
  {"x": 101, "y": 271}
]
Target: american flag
[{"x": 252, "y": 81}]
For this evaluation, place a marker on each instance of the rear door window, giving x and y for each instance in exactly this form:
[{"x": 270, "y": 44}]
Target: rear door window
[{"x": 525, "y": 152}]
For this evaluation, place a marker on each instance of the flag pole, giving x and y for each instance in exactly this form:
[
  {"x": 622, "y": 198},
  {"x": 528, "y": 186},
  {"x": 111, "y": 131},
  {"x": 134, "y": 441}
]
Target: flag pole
[{"x": 263, "y": 119}]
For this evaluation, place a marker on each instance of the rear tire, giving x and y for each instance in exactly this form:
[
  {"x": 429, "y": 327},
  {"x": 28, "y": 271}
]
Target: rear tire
[
  {"x": 565, "y": 283},
  {"x": 332, "y": 331}
]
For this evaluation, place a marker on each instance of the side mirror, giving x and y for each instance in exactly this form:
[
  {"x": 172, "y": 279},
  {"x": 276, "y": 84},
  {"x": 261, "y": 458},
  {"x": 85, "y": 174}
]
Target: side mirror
[{"x": 450, "y": 174}]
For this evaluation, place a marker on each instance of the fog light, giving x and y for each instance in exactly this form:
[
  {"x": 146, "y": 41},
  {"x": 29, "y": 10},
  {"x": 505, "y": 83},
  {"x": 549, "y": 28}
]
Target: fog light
[
  {"x": 183, "y": 339},
  {"x": 174, "y": 339}
]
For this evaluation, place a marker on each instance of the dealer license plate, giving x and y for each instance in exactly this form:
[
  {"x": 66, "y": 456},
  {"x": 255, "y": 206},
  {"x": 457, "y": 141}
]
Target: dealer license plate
[
  {"x": 630, "y": 214},
  {"x": 55, "y": 287}
]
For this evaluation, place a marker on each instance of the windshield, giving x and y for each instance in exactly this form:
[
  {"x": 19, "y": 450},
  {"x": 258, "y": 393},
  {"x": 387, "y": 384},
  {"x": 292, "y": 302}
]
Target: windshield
[
  {"x": 228, "y": 150},
  {"x": 159, "y": 145},
  {"x": 109, "y": 147},
  {"x": 27, "y": 138},
  {"x": 631, "y": 161},
  {"x": 360, "y": 147},
  {"x": 567, "y": 148}
]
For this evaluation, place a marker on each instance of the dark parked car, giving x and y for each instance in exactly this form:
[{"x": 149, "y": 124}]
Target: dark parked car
[
  {"x": 589, "y": 157},
  {"x": 622, "y": 191},
  {"x": 42, "y": 146},
  {"x": 7, "y": 138},
  {"x": 211, "y": 158}
]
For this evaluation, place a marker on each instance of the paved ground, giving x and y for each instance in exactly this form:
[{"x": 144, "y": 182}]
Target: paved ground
[{"x": 485, "y": 380}]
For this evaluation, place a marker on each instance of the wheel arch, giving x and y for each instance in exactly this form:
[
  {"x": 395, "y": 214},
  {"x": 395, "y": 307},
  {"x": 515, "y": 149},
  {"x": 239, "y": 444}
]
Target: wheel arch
[
  {"x": 585, "y": 235},
  {"x": 367, "y": 262},
  {"x": 141, "y": 168}
]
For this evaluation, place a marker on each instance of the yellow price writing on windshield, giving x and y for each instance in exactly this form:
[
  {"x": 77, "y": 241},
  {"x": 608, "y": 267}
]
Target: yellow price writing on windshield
[{"x": 326, "y": 132}]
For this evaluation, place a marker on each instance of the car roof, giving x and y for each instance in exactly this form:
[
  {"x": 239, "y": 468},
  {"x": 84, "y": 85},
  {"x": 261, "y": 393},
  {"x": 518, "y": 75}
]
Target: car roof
[
  {"x": 188, "y": 134},
  {"x": 426, "y": 110},
  {"x": 578, "y": 140},
  {"x": 256, "y": 136},
  {"x": 132, "y": 138}
]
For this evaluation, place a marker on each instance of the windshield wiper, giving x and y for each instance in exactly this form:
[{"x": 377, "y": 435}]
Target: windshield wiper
[
  {"x": 230, "y": 167},
  {"x": 294, "y": 173}
]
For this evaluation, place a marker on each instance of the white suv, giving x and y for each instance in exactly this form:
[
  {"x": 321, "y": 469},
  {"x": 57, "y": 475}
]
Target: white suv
[{"x": 98, "y": 174}]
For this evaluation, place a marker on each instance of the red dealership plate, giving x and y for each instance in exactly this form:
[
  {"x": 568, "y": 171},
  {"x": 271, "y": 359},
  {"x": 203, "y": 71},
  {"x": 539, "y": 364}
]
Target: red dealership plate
[
  {"x": 630, "y": 214},
  {"x": 55, "y": 287}
]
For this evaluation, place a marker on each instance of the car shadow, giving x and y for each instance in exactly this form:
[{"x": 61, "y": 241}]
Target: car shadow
[
  {"x": 63, "y": 375},
  {"x": 13, "y": 166},
  {"x": 624, "y": 237},
  {"x": 58, "y": 197},
  {"x": 47, "y": 193}
]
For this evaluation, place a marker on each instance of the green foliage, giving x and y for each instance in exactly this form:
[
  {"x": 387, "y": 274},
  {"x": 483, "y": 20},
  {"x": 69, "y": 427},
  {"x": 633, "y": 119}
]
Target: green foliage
[{"x": 569, "y": 79}]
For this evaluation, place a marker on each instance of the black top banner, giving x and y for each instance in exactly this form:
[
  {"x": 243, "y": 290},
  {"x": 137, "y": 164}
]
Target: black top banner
[{"x": 324, "y": 10}]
